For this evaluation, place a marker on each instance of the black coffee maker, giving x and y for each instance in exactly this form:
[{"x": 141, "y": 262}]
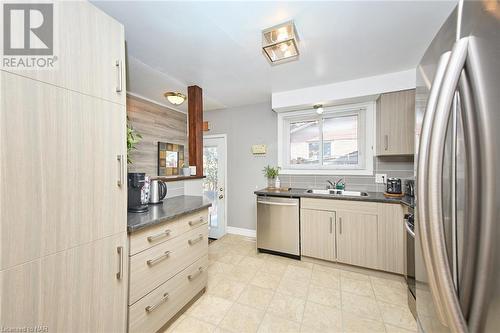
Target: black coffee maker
[{"x": 136, "y": 181}]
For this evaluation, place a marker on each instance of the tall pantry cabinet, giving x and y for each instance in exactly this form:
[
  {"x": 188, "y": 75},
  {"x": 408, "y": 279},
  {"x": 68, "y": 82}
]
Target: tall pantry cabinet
[{"x": 63, "y": 240}]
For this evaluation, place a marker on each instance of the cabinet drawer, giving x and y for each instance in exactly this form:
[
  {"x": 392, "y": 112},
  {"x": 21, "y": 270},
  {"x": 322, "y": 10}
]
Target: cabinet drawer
[
  {"x": 155, "y": 309},
  {"x": 152, "y": 267},
  {"x": 149, "y": 237},
  {"x": 338, "y": 204}
]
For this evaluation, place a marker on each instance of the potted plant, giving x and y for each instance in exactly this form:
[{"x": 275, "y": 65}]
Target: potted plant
[
  {"x": 133, "y": 138},
  {"x": 272, "y": 173}
]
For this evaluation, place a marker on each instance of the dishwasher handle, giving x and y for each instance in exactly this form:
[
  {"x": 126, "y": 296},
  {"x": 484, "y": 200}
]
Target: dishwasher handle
[{"x": 275, "y": 203}]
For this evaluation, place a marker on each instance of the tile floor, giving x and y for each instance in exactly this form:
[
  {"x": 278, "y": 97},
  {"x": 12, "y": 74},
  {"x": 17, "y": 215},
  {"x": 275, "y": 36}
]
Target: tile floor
[{"x": 252, "y": 292}]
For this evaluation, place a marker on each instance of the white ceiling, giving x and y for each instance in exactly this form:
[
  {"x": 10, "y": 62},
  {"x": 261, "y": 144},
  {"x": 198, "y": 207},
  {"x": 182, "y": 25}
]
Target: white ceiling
[{"x": 217, "y": 45}]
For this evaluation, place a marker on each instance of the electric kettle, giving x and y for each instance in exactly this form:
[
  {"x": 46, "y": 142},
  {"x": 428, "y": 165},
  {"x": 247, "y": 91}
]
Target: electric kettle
[{"x": 157, "y": 191}]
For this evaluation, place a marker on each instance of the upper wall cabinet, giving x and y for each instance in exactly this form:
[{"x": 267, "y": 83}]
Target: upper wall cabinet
[
  {"x": 89, "y": 52},
  {"x": 396, "y": 123}
]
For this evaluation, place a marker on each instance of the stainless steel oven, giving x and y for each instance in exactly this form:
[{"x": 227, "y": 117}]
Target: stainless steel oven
[{"x": 410, "y": 260}]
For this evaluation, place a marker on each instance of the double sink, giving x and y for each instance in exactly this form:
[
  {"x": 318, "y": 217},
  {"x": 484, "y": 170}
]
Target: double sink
[{"x": 339, "y": 193}]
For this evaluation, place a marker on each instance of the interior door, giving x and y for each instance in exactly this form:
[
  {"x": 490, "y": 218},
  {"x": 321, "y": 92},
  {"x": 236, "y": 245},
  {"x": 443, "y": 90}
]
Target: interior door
[{"x": 214, "y": 184}]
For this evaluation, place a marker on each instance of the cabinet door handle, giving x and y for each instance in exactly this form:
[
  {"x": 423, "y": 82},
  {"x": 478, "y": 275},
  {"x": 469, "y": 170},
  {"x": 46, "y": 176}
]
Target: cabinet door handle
[
  {"x": 340, "y": 225},
  {"x": 151, "y": 308},
  {"x": 386, "y": 142},
  {"x": 191, "y": 277},
  {"x": 331, "y": 224},
  {"x": 120, "y": 181},
  {"x": 119, "y": 77},
  {"x": 194, "y": 223},
  {"x": 152, "y": 238},
  {"x": 119, "y": 274},
  {"x": 195, "y": 240},
  {"x": 156, "y": 260}
]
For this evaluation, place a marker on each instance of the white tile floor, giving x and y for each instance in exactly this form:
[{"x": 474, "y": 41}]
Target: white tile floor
[{"x": 252, "y": 292}]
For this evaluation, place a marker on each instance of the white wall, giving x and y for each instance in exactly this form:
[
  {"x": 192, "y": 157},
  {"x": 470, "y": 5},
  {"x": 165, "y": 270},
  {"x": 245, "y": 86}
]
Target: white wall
[
  {"x": 245, "y": 126},
  {"x": 353, "y": 91}
]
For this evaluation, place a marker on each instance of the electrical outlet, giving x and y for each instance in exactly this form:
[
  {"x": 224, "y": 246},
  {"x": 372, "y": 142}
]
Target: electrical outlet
[{"x": 380, "y": 178}]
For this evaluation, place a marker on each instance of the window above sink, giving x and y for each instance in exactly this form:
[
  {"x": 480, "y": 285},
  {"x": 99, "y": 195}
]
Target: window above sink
[{"x": 339, "y": 141}]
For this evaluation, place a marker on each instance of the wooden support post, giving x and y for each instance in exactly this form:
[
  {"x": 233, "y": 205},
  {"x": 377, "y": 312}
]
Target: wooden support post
[{"x": 195, "y": 120}]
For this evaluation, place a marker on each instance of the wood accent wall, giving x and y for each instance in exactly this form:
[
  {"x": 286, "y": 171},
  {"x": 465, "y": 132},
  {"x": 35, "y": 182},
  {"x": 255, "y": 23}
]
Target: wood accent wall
[
  {"x": 195, "y": 112},
  {"x": 155, "y": 123}
]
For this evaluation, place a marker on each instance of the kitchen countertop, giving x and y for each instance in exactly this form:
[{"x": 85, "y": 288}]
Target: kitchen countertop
[
  {"x": 170, "y": 209},
  {"x": 302, "y": 193}
]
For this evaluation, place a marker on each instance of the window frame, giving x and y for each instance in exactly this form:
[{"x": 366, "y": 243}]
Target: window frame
[{"x": 366, "y": 138}]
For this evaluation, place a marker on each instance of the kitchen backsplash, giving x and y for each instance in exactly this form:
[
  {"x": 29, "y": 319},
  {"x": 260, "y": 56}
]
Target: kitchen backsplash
[{"x": 399, "y": 167}]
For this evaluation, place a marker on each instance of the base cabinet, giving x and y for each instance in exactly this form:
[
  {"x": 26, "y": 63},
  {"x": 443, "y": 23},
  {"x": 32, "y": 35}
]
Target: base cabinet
[
  {"x": 357, "y": 239},
  {"x": 169, "y": 272},
  {"x": 366, "y": 234},
  {"x": 317, "y": 234}
]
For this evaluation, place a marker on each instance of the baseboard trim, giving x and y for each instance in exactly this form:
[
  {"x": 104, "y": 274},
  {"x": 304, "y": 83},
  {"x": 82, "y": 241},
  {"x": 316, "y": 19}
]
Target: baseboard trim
[{"x": 241, "y": 231}]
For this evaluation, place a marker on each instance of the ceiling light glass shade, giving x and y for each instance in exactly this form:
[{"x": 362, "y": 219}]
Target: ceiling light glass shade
[
  {"x": 319, "y": 108},
  {"x": 280, "y": 43},
  {"x": 175, "y": 98}
]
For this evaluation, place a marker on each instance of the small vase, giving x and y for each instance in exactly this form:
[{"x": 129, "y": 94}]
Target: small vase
[
  {"x": 270, "y": 182},
  {"x": 277, "y": 183}
]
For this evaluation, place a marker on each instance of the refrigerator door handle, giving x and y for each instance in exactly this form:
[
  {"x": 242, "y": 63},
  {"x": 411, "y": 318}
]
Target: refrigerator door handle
[
  {"x": 471, "y": 209},
  {"x": 422, "y": 174},
  {"x": 443, "y": 274}
]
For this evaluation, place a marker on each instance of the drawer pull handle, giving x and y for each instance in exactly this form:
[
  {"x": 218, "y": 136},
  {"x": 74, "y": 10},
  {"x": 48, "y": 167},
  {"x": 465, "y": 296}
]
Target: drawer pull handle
[
  {"x": 196, "y": 240},
  {"x": 191, "y": 277},
  {"x": 160, "y": 235},
  {"x": 194, "y": 223},
  {"x": 156, "y": 260},
  {"x": 151, "y": 308},
  {"x": 119, "y": 274}
]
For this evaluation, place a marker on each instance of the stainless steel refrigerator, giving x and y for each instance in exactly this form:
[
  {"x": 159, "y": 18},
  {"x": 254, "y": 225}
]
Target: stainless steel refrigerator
[{"x": 457, "y": 186}]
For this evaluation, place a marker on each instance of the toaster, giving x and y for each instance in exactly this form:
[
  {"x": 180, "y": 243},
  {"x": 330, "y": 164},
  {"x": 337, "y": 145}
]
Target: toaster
[{"x": 393, "y": 186}]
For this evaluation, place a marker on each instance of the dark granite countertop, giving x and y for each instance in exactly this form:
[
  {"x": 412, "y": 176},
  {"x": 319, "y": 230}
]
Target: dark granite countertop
[
  {"x": 170, "y": 209},
  {"x": 302, "y": 193}
]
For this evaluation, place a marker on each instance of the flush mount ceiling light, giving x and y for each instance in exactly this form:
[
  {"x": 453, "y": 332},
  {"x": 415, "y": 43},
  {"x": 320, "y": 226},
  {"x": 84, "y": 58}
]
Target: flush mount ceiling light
[
  {"x": 176, "y": 98},
  {"x": 318, "y": 108},
  {"x": 280, "y": 43}
]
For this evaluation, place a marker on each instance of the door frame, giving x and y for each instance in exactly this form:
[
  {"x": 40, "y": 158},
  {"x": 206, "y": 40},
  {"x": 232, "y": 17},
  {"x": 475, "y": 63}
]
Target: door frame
[{"x": 224, "y": 137}]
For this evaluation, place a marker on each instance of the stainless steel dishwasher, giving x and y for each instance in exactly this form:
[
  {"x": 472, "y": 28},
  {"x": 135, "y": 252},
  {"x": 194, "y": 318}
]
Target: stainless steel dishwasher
[{"x": 278, "y": 225}]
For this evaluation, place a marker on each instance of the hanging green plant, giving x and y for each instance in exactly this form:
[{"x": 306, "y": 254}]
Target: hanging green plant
[{"x": 133, "y": 138}]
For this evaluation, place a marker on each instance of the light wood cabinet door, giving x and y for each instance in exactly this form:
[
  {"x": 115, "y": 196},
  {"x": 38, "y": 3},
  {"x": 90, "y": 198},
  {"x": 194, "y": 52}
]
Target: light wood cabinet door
[
  {"x": 357, "y": 238},
  {"x": 391, "y": 241},
  {"x": 20, "y": 291},
  {"x": 88, "y": 45},
  {"x": 59, "y": 169},
  {"x": 81, "y": 291},
  {"x": 396, "y": 123},
  {"x": 317, "y": 234}
]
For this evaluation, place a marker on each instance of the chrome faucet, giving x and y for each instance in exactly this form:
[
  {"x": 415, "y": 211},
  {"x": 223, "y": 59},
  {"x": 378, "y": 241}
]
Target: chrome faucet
[{"x": 333, "y": 185}]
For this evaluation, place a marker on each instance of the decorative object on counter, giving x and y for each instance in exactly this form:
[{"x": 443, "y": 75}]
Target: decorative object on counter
[
  {"x": 170, "y": 158},
  {"x": 176, "y": 98},
  {"x": 186, "y": 170},
  {"x": 272, "y": 176},
  {"x": 133, "y": 138},
  {"x": 193, "y": 169},
  {"x": 136, "y": 182},
  {"x": 158, "y": 191}
]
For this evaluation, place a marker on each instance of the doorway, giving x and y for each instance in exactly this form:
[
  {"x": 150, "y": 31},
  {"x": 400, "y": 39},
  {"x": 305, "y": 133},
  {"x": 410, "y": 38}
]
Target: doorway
[{"x": 214, "y": 183}]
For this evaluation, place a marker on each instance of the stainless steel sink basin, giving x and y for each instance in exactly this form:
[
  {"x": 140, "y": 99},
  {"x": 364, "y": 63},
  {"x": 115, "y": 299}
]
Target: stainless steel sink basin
[{"x": 339, "y": 192}]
